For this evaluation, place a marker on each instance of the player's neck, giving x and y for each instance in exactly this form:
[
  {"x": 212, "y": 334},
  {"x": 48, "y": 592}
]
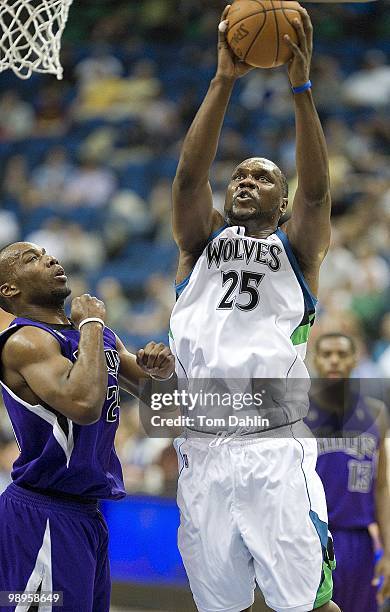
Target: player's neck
[
  {"x": 52, "y": 316},
  {"x": 254, "y": 228}
]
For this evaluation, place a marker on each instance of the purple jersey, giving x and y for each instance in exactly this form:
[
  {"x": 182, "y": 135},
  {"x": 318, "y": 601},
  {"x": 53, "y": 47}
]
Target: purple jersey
[
  {"x": 56, "y": 454},
  {"x": 347, "y": 464}
]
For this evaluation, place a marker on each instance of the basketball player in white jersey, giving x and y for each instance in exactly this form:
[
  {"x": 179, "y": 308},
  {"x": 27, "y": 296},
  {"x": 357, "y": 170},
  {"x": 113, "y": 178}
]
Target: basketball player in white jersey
[{"x": 253, "y": 508}]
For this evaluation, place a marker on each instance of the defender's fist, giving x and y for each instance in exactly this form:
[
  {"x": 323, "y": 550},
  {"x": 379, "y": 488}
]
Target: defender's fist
[
  {"x": 87, "y": 306},
  {"x": 156, "y": 359}
]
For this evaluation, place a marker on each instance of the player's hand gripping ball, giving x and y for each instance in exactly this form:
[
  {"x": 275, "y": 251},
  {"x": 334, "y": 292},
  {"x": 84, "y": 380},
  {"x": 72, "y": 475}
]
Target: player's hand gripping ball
[
  {"x": 256, "y": 31},
  {"x": 156, "y": 360},
  {"x": 87, "y": 306}
]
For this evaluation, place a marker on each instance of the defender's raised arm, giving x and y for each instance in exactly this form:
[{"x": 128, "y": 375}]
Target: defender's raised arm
[{"x": 32, "y": 358}]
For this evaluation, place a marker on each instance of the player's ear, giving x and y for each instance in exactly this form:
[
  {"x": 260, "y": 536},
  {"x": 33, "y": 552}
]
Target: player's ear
[
  {"x": 284, "y": 206},
  {"x": 9, "y": 290}
]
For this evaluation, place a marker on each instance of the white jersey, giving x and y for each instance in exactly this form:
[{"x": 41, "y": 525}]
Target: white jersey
[
  {"x": 244, "y": 313},
  {"x": 245, "y": 310}
]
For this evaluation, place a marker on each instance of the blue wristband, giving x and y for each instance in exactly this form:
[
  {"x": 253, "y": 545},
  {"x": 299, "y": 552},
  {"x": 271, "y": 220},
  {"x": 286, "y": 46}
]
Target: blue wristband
[
  {"x": 378, "y": 555},
  {"x": 301, "y": 88}
]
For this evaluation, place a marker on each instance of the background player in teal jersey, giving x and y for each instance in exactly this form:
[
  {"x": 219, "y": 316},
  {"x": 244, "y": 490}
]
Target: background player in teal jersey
[{"x": 352, "y": 463}]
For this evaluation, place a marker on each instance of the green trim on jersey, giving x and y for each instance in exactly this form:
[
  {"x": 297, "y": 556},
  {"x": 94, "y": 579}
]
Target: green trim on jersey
[
  {"x": 325, "y": 590},
  {"x": 170, "y": 334},
  {"x": 301, "y": 334}
]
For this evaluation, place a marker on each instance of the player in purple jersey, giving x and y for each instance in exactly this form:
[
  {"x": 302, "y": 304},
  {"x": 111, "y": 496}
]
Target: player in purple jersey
[
  {"x": 352, "y": 463},
  {"x": 60, "y": 380}
]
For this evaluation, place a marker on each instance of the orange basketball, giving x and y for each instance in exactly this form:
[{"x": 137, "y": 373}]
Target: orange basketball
[{"x": 256, "y": 30}]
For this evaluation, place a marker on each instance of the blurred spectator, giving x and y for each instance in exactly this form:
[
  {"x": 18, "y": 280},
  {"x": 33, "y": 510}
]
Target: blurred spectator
[
  {"x": 267, "y": 90},
  {"x": 52, "y": 118},
  {"x": 369, "y": 86},
  {"x": 127, "y": 218},
  {"x": 160, "y": 204},
  {"x": 100, "y": 64},
  {"x": 16, "y": 116},
  {"x": 15, "y": 183},
  {"x": 51, "y": 237},
  {"x": 99, "y": 144},
  {"x": 90, "y": 185},
  {"x": 328, "y": 79},
  {"x": 117, "y": 98},
  {"x": 84, "y": 251},
  {"x": 139, "y": 454},
  {"x": 51, "y": 177},
  {"x": 118, "y": 306},
  {"x": 152, "y": 320},
  {"x": 168, "y": 464},
  {"x": 78, "y": 284},
  {"x": 130, "y": 209},
  {"x": 9, "y": 227},
  {"x": 160, "y": 118}
]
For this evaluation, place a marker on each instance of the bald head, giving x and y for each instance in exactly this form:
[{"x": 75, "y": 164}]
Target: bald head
[
  {"x": 8, "y": 257},
  {"x": 28, "y": 276},
  {"x": 269, "y": 165}
]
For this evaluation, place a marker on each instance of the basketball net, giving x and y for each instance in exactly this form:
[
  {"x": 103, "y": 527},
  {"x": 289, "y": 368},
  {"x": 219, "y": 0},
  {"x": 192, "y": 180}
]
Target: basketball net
[{"x": 30, "y": 35}]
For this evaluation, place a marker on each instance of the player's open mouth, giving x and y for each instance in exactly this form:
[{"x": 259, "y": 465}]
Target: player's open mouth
[
  {"x": 245, "y": 195},
  {"x": 60, "y": 274}
]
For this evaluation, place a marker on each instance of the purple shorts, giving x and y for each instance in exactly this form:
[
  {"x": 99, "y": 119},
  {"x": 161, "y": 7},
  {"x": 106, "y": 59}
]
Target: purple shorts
[
  {"x": 354, "y": 571},
  {"x": 53, "y": 545}
]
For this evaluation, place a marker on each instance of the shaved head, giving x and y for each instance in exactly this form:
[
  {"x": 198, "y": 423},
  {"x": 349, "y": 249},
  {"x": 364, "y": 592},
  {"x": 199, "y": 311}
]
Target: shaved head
[
  {"x": 8, "y": 257},
  {"x": 267, "y": 163},
  {"x": 29, "y": 276}
]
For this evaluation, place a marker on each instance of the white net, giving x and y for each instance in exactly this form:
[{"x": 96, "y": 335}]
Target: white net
[{"x": 30, "y": 35}]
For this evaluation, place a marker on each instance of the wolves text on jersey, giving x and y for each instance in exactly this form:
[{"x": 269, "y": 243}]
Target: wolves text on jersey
[{"x": 229, "y": 249}]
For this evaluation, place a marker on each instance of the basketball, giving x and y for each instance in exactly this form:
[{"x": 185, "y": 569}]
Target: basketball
[{"x": 256, "y": 31}]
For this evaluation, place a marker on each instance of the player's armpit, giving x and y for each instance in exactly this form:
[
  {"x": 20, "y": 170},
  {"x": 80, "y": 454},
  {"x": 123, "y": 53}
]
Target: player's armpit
[
  {"x": 194, "y": 218},
  {"x": 189, "y": 257},
  {"x": 36, "y": 356},
  {"x": 309, "y": 233},
  {"x": 309, "y": 230}
]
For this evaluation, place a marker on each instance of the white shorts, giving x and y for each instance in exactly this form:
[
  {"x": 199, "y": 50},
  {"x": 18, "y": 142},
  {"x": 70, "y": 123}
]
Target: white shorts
[{"x": 254, "y": 510}]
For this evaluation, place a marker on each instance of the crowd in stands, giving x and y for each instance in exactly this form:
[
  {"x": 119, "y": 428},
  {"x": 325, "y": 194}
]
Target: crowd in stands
[{"x": 87, "y": 165}]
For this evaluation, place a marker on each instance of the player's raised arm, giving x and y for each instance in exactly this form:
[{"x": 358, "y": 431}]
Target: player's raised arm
[
  {"x": 193, "y": 217},
  {"x": 77, "y": 390},
  {"x": 309, "y": 227}
]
